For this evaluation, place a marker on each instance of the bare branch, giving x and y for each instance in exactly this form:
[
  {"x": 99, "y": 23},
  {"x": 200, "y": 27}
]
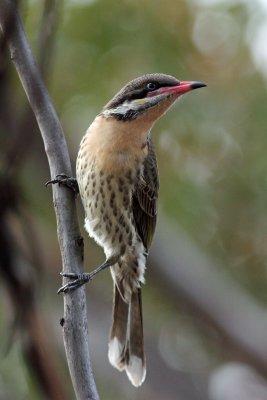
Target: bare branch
[
  {"x": 75, "y": 328},
  {"x": 24, "y": 131}
]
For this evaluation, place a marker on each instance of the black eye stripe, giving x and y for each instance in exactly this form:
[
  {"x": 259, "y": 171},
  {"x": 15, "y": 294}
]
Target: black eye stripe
[
  {"x": 142, "y": 91},
  {"x": 136, "y": 94}
]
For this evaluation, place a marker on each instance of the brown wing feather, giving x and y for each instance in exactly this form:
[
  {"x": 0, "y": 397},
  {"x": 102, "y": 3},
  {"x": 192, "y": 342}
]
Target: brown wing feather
[{"x": 145, "y": 198}]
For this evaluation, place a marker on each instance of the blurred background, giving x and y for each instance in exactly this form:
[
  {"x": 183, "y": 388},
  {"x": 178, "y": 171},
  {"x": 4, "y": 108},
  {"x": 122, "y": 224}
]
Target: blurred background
[{"x": 205, "y": 300}]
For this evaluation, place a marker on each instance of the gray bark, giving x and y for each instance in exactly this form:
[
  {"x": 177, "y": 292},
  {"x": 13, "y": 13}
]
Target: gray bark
[{"x": 75, "y": 328}]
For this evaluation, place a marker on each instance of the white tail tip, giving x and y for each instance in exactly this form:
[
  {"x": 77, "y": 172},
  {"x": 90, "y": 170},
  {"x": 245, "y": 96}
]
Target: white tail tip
[
  {"x": 115, "y": 349},
  {"x": 136, "y": 371}
]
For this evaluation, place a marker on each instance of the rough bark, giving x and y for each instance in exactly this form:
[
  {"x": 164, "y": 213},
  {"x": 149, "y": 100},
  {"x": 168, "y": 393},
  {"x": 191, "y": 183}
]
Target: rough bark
[{"x": 75, "y": 327}]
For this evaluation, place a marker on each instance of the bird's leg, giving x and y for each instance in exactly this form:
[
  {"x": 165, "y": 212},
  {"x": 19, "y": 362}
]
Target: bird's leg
[
  {"x": 65, "y": 180},
  {"x": 84, "y": 277}
]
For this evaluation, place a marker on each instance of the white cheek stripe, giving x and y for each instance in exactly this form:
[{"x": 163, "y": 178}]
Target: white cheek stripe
[
  {"x": 135, "y": 105},
  {"x": 122, "y": 109}
]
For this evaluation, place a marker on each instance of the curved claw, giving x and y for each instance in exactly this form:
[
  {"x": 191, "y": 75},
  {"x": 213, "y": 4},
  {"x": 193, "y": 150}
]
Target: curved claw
[
  {"x": 70, "y": 275},
  {"x": 58, "y": 179},
  {"x": 70, "y": 286},
  {"x": 65, "y": 180},
  {"x": 79, "y": 280},
  {"x": 51, "y": 182}
]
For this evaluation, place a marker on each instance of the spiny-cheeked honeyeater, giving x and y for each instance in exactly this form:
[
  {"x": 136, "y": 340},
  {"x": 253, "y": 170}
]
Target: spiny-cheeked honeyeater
[{"x": 118, "y": 182}]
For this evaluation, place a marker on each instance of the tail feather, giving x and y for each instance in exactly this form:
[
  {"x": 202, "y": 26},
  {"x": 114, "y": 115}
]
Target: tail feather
[
  {"x": 126, "y": 345},
  {"x": 136, "y": 365},
  {"x": 118, "y": 331}
]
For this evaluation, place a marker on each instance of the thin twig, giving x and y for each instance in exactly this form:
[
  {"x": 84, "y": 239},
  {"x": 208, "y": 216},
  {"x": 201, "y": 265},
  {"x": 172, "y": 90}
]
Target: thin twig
[{"x": 75, "y": 328}]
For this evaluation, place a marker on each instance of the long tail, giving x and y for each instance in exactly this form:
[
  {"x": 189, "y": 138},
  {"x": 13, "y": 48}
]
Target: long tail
[{"x": 126, "y": 344}]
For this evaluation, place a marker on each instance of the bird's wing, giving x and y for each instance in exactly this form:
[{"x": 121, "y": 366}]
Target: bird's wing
[{"x": 145, "y": 198}]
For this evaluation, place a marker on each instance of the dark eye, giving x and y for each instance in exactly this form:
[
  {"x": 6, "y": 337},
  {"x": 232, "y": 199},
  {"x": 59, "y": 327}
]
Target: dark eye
[{"x": 151, "y": 86}]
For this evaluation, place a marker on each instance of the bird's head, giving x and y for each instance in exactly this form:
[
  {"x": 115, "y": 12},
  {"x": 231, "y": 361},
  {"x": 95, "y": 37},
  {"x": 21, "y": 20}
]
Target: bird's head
[{"x": 147, "y": 97}]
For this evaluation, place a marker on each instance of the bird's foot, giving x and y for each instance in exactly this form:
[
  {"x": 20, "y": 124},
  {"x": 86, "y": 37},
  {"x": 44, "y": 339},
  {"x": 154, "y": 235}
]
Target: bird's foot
[
  {"x": 66, "y": 181},
  {"x": 82, "y": 278},
  {"x": 78, "y": 280}
]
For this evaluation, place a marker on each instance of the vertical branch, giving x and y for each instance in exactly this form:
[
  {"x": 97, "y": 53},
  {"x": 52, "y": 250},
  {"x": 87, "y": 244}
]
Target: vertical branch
[
  {"x": 25, "y": 129},
  {"x": 75, "y": 329},
  {"x": 49, "y": 24}
]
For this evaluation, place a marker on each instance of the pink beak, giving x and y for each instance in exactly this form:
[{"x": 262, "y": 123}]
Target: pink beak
[{"x": 183, "y": 87}]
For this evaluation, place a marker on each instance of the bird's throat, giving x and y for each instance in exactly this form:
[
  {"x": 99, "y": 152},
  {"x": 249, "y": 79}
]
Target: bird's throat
[{"x": 114, "y": 144}]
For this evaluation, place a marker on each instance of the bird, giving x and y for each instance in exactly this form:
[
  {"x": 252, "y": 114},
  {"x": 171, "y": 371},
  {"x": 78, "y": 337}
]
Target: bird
[{"x": 117, "y": 178}]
